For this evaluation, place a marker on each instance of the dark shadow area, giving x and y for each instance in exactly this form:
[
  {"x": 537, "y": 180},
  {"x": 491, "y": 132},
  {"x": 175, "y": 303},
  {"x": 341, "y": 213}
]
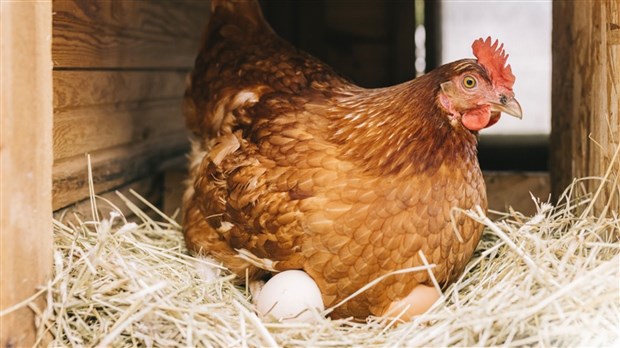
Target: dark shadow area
[{"x": 514, "y": 152}]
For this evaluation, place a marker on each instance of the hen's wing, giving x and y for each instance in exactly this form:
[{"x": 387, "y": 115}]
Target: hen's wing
[
  {"x": 258, "y": 190},
  {"x": 246, "y": 103}
]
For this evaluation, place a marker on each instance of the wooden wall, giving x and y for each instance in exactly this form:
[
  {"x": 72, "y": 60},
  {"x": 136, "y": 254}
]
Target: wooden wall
[
  {"x": 586, "y": 96},
  {"x": 369, "y": 41},
  {"x": 26, "y": 164},
  {"x": 119, "y": 76}
]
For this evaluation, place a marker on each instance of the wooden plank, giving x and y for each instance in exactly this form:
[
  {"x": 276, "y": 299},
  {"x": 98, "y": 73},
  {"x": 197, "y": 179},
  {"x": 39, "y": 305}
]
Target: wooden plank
[
  {"x": 83, "y": 130},
  {"x": 127, "y": 34},
  {"x": 75, "y": 89},
  {"x": 26, "y": 157},
  {"x": 113, "y": 167},
  {"x": 585, "y": 120},
  {"x": 109, "y": 113},
  {"x": 512, "y": 190}
]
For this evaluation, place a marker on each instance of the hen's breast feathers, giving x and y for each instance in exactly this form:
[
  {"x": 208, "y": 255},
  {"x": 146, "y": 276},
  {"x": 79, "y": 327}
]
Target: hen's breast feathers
[{"x": 291, "y": 192}]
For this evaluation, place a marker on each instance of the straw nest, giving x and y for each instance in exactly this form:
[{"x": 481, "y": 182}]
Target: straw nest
[{"x": 551, "y": 279}]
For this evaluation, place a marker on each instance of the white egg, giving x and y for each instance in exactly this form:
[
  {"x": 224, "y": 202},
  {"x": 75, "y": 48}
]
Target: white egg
[{"x": 290, "y": 296}]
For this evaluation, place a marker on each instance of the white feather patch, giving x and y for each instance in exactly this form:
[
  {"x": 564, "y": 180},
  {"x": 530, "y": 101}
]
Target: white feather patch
[{"x": 207, "y": 268}]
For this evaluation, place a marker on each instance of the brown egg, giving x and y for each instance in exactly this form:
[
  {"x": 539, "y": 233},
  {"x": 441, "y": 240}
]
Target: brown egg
[{"x": 417, "y": 302}]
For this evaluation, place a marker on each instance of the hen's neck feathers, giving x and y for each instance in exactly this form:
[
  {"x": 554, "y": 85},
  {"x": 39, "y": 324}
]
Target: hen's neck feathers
[
  {"x": 394, "y": 130},
  {"x": 402, "y": 129}
]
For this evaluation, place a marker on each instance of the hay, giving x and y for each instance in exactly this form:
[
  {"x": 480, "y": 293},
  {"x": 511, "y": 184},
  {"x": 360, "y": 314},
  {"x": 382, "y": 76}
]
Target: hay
[{"x": 547, "y": 280}]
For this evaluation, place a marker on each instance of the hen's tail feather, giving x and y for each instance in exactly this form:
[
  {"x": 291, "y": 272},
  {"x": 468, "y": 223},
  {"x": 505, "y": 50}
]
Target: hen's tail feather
[{"x": 246, "y": 12}]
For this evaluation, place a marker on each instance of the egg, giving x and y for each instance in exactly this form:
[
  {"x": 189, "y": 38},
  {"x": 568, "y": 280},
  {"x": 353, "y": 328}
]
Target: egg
[
  {"x": 420, "y": 300},
  {"x": 290, "y": 296}
]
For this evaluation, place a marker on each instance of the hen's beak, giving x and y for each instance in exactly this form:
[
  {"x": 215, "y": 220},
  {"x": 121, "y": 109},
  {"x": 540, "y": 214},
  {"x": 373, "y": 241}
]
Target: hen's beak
[{"x": 510, "y": 107}]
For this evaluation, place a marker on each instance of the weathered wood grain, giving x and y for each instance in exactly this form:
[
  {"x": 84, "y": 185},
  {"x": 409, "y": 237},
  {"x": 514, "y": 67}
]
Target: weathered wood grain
[
  {"x": 100, "y": 109},
  {"x": 127, "y": 34},
  {"x": 83, "y": 130},
  {"x": 515, "y": 190},
  {"x": 113, "y": 167},
  {"x": 26, "y": 164},
  {"x": 586, "y": 96},
  {"x": 78, "y": 89}
]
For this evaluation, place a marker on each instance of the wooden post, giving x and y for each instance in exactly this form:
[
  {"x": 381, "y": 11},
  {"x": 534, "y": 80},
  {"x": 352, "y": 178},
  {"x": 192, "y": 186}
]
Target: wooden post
[
  {"x": 586, "y": 97},
  {"x": 26, "y": 163}
]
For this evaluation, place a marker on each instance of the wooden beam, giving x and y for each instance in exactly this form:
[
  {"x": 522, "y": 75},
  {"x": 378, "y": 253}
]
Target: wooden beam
[
  {"x": 84, "y": 130},
  {"x": 26, "y": 163},
  {"x": 127, "y": 34},
  {"x": 95, "y": 110},
  {"x": 113, "y": 167},
  {"x": 79, "y": 89},
  {"x": 585, "y": 120}
]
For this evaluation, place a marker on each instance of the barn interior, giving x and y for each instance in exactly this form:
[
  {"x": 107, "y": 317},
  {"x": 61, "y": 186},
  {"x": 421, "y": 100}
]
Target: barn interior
[{"x": 92, "y": 105}]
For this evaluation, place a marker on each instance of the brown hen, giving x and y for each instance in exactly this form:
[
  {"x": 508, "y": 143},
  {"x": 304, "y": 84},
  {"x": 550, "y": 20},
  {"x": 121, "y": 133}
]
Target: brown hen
[{"x": 301, "y": 168}]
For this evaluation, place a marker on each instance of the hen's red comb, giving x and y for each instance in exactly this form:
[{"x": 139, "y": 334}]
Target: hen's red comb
[{"x": 493, "y": 59}]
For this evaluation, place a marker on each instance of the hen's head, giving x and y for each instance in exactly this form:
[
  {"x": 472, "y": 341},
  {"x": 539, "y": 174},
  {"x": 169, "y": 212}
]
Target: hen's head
[{"x": 477, "y": 91}]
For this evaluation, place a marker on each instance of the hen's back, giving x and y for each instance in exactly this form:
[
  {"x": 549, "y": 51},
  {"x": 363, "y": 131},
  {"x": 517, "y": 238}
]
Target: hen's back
[{"x": 241, "y": 61}]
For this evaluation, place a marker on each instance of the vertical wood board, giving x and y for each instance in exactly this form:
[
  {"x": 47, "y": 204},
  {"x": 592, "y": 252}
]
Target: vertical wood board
[
  {"x": 586, "y": 97},
  {"x": 26, "y": 163}
]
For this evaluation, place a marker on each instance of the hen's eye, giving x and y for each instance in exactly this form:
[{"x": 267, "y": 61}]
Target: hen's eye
[{"x": 469, "y": 82}]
